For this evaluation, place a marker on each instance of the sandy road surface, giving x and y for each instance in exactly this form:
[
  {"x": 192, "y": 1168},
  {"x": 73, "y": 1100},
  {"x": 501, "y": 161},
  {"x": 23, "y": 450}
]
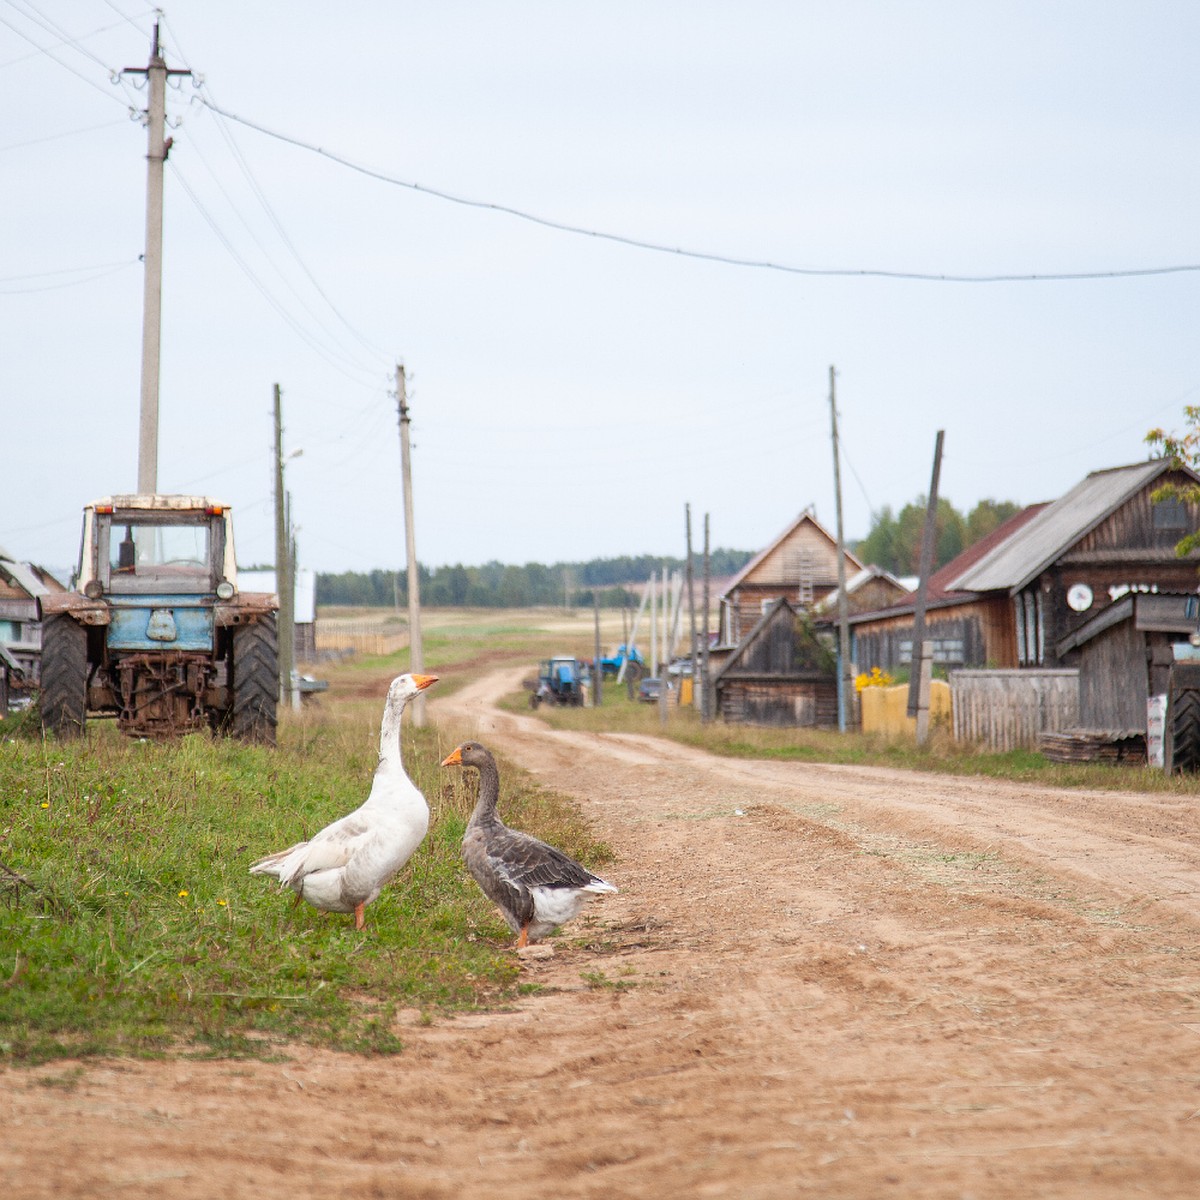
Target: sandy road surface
[{"x": 816, "y": 981}]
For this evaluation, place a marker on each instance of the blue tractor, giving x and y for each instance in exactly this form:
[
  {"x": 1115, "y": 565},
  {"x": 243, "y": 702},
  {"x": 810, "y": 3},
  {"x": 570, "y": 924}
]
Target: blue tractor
[
  {"x": 610, "y": 667},
  {"x": 158, "y": 634},
  {"x": 560, "y": 681}
]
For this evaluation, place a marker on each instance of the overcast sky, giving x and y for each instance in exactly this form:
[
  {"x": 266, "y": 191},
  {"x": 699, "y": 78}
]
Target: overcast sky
[{"x": 570, "y": 393}]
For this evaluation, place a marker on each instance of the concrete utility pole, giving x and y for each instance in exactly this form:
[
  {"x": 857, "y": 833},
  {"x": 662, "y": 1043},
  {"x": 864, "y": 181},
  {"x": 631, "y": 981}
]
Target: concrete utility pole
[
  {"x": 416, "y": 654},
  {"x": 691, "y": 595},
  {"x": 156, "y": 73},
  {"x": 283, "y": 562},
  {"x": 845, "y": 690}
]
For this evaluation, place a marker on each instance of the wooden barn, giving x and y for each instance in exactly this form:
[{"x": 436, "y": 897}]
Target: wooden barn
[
  {"x": 1125, "y": 654},
  {"x": 779, "y": 674},
  {"x": 800, "y": 566}
]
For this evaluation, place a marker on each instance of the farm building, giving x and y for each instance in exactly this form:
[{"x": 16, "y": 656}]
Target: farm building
[
  {"x": 1014, "y": 599},
  {"x": 779, "y": 674},
  {"x": 800, "y": 566},
  {"x": 1125, "y": 654},
  {"x": 20, "y": 629},
  {"x": 305, "y": 605}
]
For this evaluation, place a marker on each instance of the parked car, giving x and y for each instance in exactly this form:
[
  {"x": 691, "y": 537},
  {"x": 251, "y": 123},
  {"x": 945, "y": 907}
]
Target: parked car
[{"x": 649, "y": 689}]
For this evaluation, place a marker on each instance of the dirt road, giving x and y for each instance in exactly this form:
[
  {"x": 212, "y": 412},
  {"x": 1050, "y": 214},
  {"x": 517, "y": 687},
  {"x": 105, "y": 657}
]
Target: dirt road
[{"x": 816, "y": 980}]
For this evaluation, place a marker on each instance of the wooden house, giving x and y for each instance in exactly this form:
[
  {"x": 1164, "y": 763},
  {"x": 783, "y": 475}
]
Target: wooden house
[
  {"x": 1014, "y": 599},
  {"x": 800, "y": 566},
  {"x": 779, "y": 674},
  {"x": 966, "y": 629},
  {"x": 1106, "y": 537}
]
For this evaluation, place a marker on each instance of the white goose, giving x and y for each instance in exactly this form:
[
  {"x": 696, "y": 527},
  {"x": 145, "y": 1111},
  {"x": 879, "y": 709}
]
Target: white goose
[
  {"x": 345, "y": 866},
  {"x": 536, "y": 887}
]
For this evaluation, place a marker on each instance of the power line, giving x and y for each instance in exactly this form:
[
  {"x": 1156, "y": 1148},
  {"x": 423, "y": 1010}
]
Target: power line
[{"x": 702, "y": 255}]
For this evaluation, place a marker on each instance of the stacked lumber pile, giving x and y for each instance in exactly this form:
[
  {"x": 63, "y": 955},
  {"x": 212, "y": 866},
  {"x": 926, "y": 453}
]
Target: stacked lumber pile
[{"x": 1124, "y": 746}]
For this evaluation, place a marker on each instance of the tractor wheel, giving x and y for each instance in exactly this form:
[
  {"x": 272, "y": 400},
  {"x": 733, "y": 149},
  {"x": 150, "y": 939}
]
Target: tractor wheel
[
  {"x": 1183, "y": 718},
  {"x": 64, "y": 676},
  {"x": 255, "y": 686},
  {"x": 534, "y": 700}
]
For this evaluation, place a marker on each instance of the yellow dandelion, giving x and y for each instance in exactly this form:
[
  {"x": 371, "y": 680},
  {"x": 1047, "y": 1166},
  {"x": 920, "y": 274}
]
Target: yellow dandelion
[
  {"x": 183, "y": 893},
  {"x": 45, "y": 803},
  {"x": 222, "y": 903}
]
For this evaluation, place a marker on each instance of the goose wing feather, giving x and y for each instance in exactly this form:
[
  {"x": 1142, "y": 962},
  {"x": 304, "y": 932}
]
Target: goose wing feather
[{"x": 529, "y": 862}]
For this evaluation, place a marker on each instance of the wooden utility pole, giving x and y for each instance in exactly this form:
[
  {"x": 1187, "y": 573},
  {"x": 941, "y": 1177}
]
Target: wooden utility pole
[
  {"x": 845, "y": 688},
  {"x": 156, "y": 73},
  {"x": 921, "y": 664},
  {"x": 283, "y": 559},
  {"x": 705, "y": 703},
  {"x": 691, "y": 594},
  {"x": 416, "y": 654}
]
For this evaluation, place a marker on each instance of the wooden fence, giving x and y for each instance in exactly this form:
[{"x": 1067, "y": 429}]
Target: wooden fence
[
  {"x": 1005, "y": 710},
  {"x": 364, "y": 635}
]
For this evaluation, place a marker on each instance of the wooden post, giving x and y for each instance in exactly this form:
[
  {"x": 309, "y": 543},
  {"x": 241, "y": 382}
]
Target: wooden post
[
  {"x": 705, "y": 702},
  {"x": 597, "y": 670}
]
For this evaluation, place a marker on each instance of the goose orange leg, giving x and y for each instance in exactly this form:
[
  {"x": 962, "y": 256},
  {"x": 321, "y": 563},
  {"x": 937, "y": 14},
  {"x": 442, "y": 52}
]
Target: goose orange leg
[
  {"x": 523, "y": 940},
  {"x": 359, "y": 919}
]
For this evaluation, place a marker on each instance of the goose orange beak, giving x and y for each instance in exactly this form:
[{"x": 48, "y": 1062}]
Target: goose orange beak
[
  {"x": 424, "y": 681},
  {"x": 454, "y": 758}
]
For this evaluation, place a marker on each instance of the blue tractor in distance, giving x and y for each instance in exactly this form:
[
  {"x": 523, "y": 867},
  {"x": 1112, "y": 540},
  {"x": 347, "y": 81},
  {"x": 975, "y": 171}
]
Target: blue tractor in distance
[
  {"x": 610, "y": 667},
  {"x": 560, "y": 681}
]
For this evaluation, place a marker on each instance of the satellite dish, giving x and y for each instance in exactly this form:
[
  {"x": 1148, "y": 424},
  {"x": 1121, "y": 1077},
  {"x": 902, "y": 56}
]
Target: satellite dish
[{"x": 1079, "y": 597}]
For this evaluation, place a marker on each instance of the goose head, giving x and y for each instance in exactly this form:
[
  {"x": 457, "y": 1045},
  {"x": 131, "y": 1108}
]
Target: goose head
[
  {"x": 469, "y": 754},
  {"x": 404, "y": 687}
]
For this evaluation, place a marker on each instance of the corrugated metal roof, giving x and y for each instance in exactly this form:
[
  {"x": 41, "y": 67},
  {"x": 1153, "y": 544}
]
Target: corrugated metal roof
[{"x": 1016, "y": 561}]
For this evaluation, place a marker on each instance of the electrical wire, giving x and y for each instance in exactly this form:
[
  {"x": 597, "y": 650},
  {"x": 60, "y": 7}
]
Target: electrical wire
[
  {"x": 260, "y": 195},
  {"x": 100, "y": 271},
  {"x": 31, "y": 13},
  {"x": 287, "y": 317},
  {"x": 701, "y": 255}
]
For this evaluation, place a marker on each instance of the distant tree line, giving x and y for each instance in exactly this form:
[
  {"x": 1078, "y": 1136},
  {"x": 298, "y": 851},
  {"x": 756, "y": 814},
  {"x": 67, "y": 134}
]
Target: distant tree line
[
  {"x": 894, "y": 541},
  {"x": 496, "y": 585}
]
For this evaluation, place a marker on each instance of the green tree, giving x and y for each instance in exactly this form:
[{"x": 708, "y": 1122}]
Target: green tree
[
  {"x": 986, "y": 517},
  {"x": 1183, "y": 449}
]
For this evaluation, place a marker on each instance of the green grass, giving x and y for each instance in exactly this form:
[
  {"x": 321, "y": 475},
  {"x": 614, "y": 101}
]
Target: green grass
[{"x": 129, "y": 923}]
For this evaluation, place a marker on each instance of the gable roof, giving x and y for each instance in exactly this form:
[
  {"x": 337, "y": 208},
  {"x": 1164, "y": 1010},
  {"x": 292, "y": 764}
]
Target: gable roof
[
  {"x": 1017, "y": 561},
  {"x": 806, "y": 515}
]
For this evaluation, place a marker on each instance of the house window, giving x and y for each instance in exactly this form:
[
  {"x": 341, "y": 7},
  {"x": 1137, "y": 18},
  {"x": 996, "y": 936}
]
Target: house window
[
  {"x": 949, "y": 651},
  {"x": 1170, "y": 514},
  {"x": 1031, "y": 629}
]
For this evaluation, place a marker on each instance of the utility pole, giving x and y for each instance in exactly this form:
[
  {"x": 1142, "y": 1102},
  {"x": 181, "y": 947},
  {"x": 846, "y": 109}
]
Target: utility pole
[
  {"x": 921, "y": 663},
  {"x": 845, "y": 688},
  {"x": 597, "y": 670},
  {"x": 705, "y": 702},
  {"x": 665, "y": 674},
  {"x": 156, "y": 73},
  {"x": 416, "y": 655},
  {"x": 283, "y": 561},
  {"x": 691, "y": 594}
]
